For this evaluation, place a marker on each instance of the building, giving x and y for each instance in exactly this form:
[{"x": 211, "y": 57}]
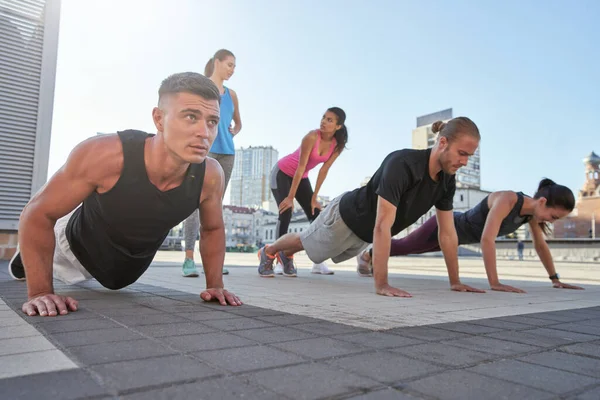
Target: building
[
  {"x": 299, "y": 223},
  {"x": 423, "y": 138},
  {"x": 28, "y": 51},
  {"x": 245, "y": 226},
  {"x": 584, "y": 221},
  {"x": 250, "y": 186}
]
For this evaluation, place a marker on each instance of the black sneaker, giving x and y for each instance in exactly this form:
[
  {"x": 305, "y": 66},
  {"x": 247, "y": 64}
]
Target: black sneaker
[{"x": 16, "y": 268}]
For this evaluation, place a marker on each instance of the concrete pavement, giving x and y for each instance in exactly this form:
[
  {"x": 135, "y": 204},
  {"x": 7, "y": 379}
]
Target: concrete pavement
[{"x": 310, "y": 337}]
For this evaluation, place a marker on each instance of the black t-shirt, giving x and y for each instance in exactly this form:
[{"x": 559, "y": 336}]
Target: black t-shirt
[{"x": 403, "y": 180}]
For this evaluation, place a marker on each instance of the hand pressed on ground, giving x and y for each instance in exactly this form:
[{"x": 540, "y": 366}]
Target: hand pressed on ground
[
  {"x": 222, "y": 296},
  {"x": 49, "y": 305}
]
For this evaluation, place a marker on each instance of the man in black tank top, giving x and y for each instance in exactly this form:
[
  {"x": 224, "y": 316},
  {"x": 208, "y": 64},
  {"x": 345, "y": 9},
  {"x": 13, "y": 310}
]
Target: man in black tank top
[{"x": 106, "y": 212}]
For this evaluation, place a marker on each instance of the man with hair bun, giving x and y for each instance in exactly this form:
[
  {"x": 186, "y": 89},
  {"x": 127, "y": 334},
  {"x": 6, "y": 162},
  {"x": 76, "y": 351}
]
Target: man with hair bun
[{"x": 406, "y": 185}]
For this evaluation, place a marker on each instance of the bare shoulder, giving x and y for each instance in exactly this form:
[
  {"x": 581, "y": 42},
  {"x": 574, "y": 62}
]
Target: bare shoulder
[
  {"x": 233, "y": 93},
  {"x": 97, "y": 159},
  {"x": 213, "y": 177},
  {"x": 311, "y": 136},
  {"x": 503, "y": 196}
]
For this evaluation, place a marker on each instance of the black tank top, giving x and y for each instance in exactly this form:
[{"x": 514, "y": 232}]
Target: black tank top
[
  {"x": 470, "y": 224},
  {"x": 115, "y": 235}
]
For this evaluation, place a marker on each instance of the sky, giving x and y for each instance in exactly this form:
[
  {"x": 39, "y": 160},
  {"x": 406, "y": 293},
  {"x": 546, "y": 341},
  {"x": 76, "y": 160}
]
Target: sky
[{"x": 526, "y": 72}]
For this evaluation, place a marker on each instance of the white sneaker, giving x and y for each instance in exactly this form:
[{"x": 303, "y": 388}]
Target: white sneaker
[
  {"x": 322, "y": 269},
  {"x": 278, "y": 270}
]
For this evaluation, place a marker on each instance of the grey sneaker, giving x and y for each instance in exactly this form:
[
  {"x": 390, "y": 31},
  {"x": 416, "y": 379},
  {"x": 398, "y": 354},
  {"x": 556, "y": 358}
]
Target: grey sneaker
[
  {"x": 288, "y": 264},
  {"x": 364, "y": 268},
  {"x": 265, "y": 266}
]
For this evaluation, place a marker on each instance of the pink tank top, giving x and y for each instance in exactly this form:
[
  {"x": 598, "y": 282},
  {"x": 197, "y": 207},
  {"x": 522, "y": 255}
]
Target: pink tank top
[{"x": 289, "y": 164}]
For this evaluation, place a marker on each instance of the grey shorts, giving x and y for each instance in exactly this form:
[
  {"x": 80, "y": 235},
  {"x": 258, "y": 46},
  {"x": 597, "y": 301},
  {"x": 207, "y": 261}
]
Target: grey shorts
[{"x": 328, "y": 236}]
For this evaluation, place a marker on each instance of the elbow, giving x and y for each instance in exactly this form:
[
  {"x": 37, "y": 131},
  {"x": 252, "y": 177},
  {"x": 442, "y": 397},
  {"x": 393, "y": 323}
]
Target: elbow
[
  {"x": 447, "y": 239},
  {"x": 382, "y": 228},
  {"x": 487, "y": 242}
]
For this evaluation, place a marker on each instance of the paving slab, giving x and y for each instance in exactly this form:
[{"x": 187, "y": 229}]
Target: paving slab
[{"x": 313, "y": 337}]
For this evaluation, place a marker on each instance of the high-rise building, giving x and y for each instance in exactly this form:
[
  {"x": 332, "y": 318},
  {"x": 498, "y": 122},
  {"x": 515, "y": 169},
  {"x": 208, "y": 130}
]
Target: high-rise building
[
  {"x": 423, "y": 137},
  {"x": 250, "y": 186}
]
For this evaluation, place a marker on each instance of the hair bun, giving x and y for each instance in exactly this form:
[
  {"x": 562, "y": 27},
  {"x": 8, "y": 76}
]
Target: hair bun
[
  {"x": 438, "y": 126},
  {"x": 546, "y": 182}
]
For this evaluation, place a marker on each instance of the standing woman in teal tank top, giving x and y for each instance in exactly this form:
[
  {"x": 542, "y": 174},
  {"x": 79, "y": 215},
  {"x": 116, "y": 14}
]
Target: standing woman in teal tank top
[{"x": 219, "y": 69}]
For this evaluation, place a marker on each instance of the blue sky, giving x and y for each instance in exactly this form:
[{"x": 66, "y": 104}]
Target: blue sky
[{"x": 527, "y": 73}]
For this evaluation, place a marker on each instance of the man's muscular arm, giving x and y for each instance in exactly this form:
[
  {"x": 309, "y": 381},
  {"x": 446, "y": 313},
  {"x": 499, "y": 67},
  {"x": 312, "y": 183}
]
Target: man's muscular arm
[
  {"x": 212, "y": 235},
  {"x": 91, "y": 166}
]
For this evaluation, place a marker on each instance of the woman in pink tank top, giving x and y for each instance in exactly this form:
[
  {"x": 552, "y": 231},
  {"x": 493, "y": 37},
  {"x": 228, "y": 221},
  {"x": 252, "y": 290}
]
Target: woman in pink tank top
[{"x": 289, "y": 177}]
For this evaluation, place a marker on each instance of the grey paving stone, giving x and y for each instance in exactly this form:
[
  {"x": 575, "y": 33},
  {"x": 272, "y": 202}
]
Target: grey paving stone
[
  {"x": 236, "y": 324},
  {"x": 71, "y": 316},
  {"x": 527, "y": 337},
  {"x": 213, "y": 389},
  {"x": 466, "y": 327},
  {"x": 184, "y": 309},
  {"x": 288, "y": 319},
  {"x": 186, "y": 298},
  {"x": 175, "y": 329},
  {"x": 159, "y": 302},
  {"x": 29, "y": 345},
  {"x": 565, "y": 335},
  {"x": 504, "y": 325},
  {"x": 386, "y": 367},
  {"x": 131, "y": 311},
  {"x": 118, "y": 351},
  {"x": 445, "y": 354},
  {"x": 96, "y": 336},
  {"x": 460, "y": 385},
  {"x": 128, "y": 375},
  {"x": 591, "y": 322},
  {"x": 311, "y": 381},
  {"x": 578, "y": 328},
  {"x": 385, "y": 394},
  {"x": 63, "y": 325},
  {"x": 378, "y": 340},
  {"x": 105, "y": 304},
  {"x": 566, "y": 362},
  {"x": 208, "y": 316},
  {"x": 152, "y": 319},
  {"x": 250, "y": 358},
  {"x": 537, "y": 376},
  {"x": 593, "y": 394},
  {"x": 246, "y": 311},
  {"x": 559, "y": 316},
  {"x": 274, "y": 334},
  {"x": 329, "y": 328},
  {"x": 72, "y": 384},
  {"x": 321, "y": 347},
  {"x": 526, "y": 319},
  {"x": 491, "y": 345},
  {"x": 428, "y": 334},
  {"x": 207, "y": 341},
  {"x": 589, "y": 349}
]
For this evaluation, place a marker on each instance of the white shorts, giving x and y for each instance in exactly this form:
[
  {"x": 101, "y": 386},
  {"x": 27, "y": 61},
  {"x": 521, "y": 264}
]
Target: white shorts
[{"x": 66, "y": 267}]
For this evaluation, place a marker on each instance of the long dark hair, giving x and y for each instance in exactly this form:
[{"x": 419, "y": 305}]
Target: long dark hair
[
  {"x": 341, "y": 135},
  {"x": 556, "y": 196},
  {"x": 220, "y": 55}
]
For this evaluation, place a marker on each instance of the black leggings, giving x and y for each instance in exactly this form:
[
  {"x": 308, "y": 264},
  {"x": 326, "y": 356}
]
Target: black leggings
[{"x": 303, "y": 195}]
